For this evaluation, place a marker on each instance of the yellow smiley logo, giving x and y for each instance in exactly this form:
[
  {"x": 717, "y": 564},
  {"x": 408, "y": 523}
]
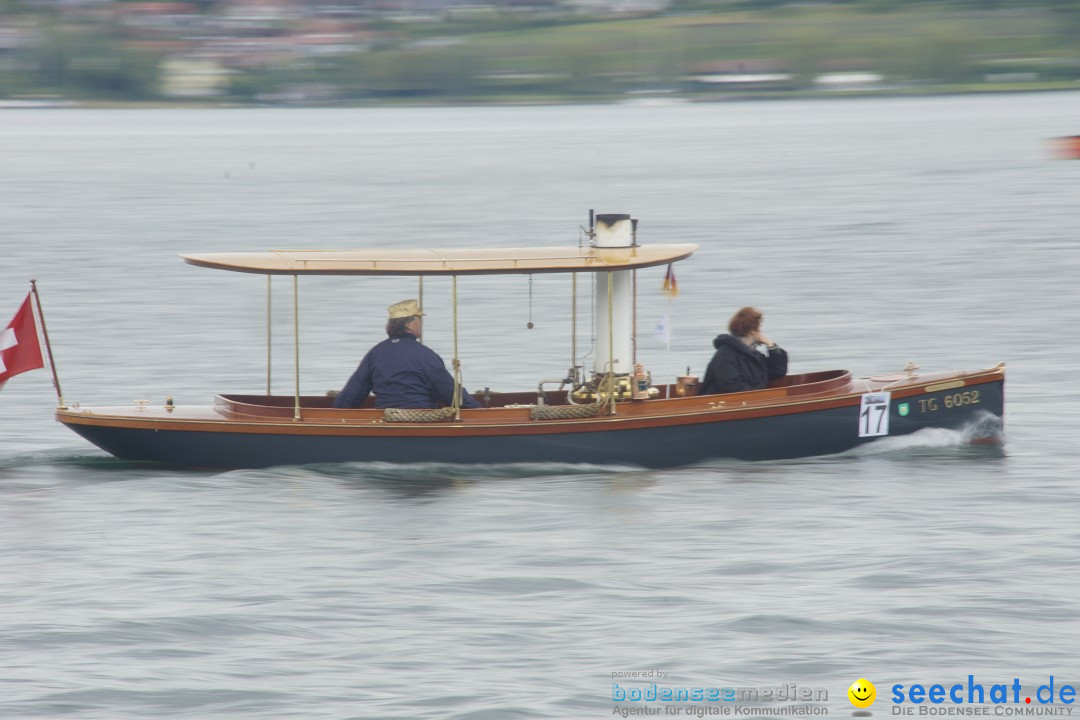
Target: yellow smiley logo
[{"x": 862, "y": 693}]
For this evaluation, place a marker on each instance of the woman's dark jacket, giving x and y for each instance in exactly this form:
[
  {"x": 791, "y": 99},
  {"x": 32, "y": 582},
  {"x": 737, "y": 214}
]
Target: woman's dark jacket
[{"x": 736, "y": 366}]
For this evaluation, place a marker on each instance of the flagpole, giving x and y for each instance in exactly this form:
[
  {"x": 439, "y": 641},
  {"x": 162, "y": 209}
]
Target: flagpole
[
  {"x": 667, "y": 326},
  {"x": 48, "y": 346}
]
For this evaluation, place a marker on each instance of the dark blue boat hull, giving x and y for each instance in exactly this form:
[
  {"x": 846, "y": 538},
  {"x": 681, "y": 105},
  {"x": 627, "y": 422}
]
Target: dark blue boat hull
[{"x": 772, "y": 437}]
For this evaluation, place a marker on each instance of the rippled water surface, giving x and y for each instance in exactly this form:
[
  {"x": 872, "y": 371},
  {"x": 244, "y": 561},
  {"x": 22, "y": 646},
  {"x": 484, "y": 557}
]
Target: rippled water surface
[{"x": 871, "y": 232}]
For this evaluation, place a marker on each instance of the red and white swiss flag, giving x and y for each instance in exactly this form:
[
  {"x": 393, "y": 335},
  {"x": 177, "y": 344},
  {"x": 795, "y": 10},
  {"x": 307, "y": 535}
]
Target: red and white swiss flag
[{"x": 19, "y": 347}]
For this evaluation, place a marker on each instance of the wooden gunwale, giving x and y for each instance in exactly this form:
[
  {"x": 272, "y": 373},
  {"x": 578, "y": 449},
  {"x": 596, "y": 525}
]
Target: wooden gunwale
[
  {"x": 516, "y": 420},
  {"x": 253, "y": 407}
]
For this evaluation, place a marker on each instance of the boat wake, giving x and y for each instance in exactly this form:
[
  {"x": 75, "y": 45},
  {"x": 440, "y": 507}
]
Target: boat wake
[
  {"x": 58, "y": 456},
  {"x": 986, "y": 429},
  {"x": 46, "y": 470}
]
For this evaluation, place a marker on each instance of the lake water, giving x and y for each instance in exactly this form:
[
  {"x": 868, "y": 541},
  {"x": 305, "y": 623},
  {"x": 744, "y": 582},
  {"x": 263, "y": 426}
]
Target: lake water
[{"x": 872, "y": 233}]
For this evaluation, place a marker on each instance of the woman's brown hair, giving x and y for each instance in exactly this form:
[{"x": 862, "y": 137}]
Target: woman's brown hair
[{"x": 745, "y": 321}]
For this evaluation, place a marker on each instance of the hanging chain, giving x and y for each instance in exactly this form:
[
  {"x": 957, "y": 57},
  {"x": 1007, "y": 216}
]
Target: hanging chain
[{"x": 530, "y": 323}]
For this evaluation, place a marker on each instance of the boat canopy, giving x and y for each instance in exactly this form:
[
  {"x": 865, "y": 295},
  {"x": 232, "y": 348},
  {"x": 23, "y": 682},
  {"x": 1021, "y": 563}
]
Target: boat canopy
[{"x": 466, "y": 261}]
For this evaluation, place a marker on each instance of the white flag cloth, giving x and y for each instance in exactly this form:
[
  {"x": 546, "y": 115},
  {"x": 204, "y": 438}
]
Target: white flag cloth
[{"x": 663, "y": 328}]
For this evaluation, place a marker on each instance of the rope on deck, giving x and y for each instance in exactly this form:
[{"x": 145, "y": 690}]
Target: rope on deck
[
  {"x": 419, "y": 415},
  {"x": 564, "y": 412}
]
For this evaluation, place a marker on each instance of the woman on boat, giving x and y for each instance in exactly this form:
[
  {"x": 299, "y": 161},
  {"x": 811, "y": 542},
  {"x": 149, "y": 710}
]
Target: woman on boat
[
  {"x": 402, "y": 371},
  {"x": 738, "y": 364}
]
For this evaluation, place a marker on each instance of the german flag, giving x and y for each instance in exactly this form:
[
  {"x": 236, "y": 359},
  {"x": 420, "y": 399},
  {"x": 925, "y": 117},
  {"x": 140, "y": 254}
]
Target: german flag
[{"x": 671, "y": 285}]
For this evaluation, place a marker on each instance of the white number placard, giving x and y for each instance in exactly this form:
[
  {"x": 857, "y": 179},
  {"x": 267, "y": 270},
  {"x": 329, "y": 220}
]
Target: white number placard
[{"x": 874, "y": 414}]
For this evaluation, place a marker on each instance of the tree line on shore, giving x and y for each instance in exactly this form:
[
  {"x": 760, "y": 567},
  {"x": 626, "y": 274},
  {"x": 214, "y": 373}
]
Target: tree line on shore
[{"x": 907, "y": 43}]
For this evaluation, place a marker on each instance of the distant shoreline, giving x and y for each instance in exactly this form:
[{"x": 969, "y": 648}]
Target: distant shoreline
[{"x": 644, "y": 98}]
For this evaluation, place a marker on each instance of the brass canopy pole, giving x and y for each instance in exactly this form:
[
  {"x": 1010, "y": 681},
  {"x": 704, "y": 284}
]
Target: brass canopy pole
[
  {"x": 457, "y": 360},
  {"x": 48, "y": 346},
  {"x": 268, "y": 331},
  {"x": 611, "y": 337},
  {"x": 633, "y": 327},
  {"x": 573, "y": 324},
  {"x": 420, "y": 299},
  {"x": 296, "y": 342}
]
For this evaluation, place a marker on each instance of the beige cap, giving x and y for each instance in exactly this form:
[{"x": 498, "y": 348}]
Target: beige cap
[{"x": 404, "y": 309}]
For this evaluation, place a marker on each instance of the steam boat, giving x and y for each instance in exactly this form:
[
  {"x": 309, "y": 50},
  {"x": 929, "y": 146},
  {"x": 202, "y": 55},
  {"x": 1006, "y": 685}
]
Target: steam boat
[{"x": 611, "y": 413}]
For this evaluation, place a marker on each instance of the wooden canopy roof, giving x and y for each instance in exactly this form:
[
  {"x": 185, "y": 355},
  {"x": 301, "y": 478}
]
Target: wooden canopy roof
[{"x": 467, "y": 261}]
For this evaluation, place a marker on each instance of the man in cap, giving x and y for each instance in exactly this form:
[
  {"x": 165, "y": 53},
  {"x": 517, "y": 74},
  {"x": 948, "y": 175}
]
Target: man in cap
[{"x": 401, "y": 371}]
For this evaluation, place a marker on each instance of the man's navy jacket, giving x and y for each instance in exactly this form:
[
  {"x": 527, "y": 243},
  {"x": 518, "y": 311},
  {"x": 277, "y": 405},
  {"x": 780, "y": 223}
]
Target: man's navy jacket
[{"x": 403, "y": 373}]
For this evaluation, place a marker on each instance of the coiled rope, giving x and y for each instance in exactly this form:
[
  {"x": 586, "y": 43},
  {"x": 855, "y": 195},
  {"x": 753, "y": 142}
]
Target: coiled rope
[{"x": 418, "y": 415}]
